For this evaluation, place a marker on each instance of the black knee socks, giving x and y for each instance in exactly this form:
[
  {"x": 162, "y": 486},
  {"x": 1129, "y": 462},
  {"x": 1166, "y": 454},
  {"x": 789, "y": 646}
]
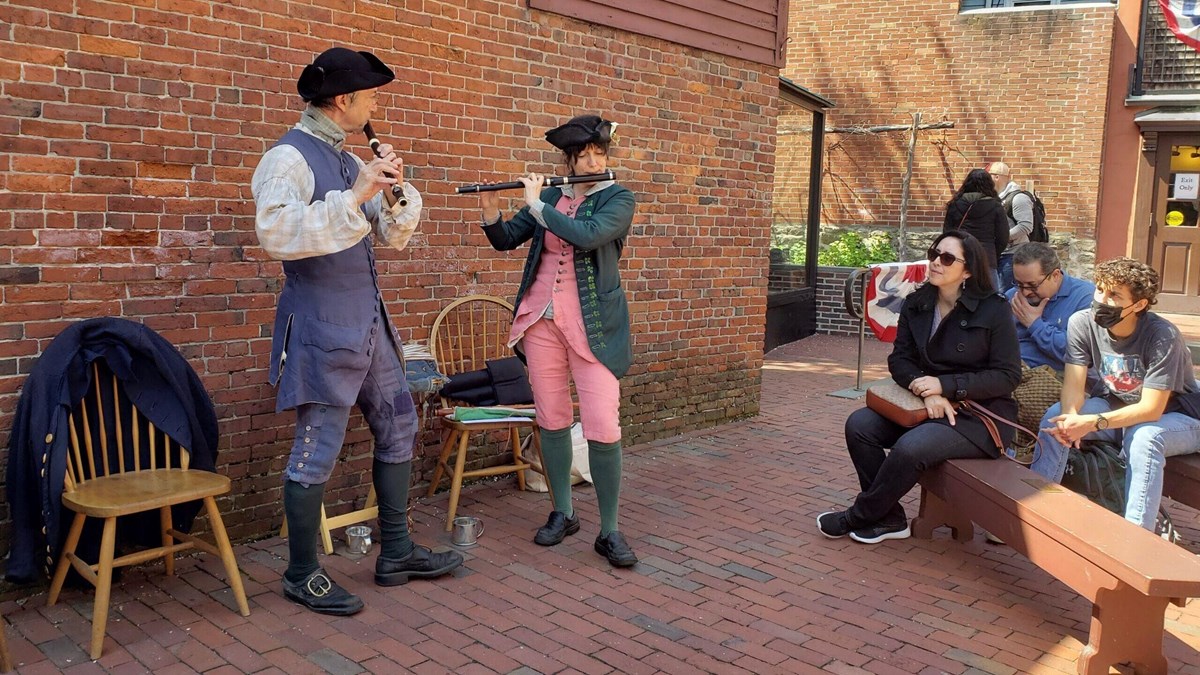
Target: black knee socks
[
  {"x": 391, "y": 490},
  {"x": 302, "y": 507}
]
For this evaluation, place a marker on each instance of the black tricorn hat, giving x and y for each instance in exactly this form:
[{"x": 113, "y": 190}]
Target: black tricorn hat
[
  {"x": 579, "y": 131},
  {"x": 341, "y": 71}
]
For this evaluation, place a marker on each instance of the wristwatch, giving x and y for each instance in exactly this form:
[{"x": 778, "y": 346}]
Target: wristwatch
[{"x": 1101, "y": 422}]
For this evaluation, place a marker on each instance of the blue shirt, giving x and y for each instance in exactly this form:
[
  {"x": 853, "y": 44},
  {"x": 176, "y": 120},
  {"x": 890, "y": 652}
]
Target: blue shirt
[{"x": 1045, "y": 342}]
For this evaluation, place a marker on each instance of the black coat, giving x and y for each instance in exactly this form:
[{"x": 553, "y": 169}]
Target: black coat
[
  {"x": 156, "y": 378},
  {"x": 983, "y": 218},
  {"x": 974, "y": 355}
]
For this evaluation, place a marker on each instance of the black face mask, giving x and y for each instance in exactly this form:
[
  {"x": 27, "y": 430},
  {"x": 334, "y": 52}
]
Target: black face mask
[{"x": 1107, "y": 316}]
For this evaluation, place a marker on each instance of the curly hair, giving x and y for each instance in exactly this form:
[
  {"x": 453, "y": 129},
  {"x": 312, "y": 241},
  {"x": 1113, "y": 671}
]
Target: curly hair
[{"x": 1137, "y": 276}]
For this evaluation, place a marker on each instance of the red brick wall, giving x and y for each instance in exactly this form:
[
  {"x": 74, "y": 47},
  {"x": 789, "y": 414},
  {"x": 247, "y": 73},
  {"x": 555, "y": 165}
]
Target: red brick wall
[
  {"x": 1028, "y": 87},
  {"x": 129, "y": 132}
]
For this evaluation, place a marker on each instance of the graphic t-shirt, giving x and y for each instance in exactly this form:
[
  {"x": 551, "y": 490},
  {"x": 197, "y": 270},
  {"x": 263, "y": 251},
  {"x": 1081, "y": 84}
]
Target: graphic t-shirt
[{"x": 1154, "y": 356}]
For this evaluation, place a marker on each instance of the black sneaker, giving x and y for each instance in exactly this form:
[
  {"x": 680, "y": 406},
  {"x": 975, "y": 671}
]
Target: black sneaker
[
  {"x": 614, "y": 547},
  {"x": 422, "y": 563},
  {"x": 557, "y": 527},
  {"x": 873, "y": 534},
  {"x": 320, "y": 594},
  {"x": 834, "y": 524}
]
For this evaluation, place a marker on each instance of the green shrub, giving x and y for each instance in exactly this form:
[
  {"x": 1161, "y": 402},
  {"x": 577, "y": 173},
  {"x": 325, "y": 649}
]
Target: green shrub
[{"x": 851, "y": 250}]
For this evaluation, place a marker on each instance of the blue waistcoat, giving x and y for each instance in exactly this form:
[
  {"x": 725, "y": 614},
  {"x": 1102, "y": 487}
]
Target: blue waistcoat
[{"x": 331, "y": 315}]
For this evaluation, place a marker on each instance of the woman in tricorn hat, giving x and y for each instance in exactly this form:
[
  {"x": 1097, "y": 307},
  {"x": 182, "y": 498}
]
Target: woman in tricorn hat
[{"x": 572, "y": 320}]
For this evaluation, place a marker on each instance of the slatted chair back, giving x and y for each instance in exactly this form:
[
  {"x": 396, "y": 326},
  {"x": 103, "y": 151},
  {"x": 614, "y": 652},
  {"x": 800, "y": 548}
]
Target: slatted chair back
[
  {"x": 469, "y": 331},
  {"x": 120, "y": 465},
  {"x": 466, "y": 334},
  {"x": 109, "y": 435}
]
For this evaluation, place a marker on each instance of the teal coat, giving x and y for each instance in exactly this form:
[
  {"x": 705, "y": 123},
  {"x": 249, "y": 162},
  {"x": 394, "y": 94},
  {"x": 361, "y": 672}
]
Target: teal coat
[{"x": 598, "y": 234}]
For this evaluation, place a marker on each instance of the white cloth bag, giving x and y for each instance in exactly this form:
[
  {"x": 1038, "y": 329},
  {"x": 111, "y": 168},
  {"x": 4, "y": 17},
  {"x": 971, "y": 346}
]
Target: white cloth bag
[{"x": 580, "y": 472}]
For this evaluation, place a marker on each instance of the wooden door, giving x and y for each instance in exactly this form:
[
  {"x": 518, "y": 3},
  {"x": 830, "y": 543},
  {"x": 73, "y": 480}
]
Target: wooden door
[{"x": 1174, "y": 237}]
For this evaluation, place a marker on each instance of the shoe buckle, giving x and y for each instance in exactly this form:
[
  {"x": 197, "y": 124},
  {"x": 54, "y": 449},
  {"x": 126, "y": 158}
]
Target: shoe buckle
[{"x": 319, "y": 585}]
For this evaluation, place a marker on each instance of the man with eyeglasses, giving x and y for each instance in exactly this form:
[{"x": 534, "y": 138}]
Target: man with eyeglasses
[
  {"x": 1042, "y": 300},
  {"x": 1019, "y": 207}
]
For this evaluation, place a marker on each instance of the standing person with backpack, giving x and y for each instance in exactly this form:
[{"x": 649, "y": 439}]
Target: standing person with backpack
[
  {"x": 976, "y": 209},
  {"x": 1019, "y": 206}
]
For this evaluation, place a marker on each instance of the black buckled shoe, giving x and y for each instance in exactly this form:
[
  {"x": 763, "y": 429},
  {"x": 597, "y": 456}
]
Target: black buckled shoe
[
  {"x": 422, "y": 563},
  {"x": 614, "y": 547},
  {"x": 557, "y": 527},
  {"x": 320, "y": 594}
]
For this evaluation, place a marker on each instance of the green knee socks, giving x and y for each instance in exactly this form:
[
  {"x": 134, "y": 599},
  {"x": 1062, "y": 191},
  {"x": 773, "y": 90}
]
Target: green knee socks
[
  {"x": 391, "y": 491},
  {"x": 557, "y": 453},
  {"x": 302, "y": 506},
  {"x": 605, "y": 462}
]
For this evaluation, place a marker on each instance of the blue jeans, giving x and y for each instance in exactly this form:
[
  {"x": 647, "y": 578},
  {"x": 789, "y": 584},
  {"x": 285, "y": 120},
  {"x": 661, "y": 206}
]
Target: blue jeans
[
  {"x": 1144, "y": 446},
  {"x": 1004, "y": 266},
  {"x": 885, "y": 477}
]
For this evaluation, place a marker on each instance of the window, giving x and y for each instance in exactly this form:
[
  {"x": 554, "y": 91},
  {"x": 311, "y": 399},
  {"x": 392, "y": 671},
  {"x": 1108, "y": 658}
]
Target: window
[{"x": 1012, "y": 4}]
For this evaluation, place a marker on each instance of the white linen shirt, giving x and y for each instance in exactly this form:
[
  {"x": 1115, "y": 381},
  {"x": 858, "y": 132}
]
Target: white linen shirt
[{"x": 291, "y": 226}]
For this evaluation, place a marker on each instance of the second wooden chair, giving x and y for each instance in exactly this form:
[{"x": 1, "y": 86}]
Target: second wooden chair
[{"x": 466, "y": 334}]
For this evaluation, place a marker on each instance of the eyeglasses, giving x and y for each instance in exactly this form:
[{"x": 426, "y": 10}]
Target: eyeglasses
[
  {"x": 1034, "y": 287},
  {"x": 947, "y": 259}
]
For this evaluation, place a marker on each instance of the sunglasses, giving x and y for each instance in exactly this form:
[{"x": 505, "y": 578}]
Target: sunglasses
[
  {"x": 947, "y": 259},
  {"x": 1034, "y": 287}
]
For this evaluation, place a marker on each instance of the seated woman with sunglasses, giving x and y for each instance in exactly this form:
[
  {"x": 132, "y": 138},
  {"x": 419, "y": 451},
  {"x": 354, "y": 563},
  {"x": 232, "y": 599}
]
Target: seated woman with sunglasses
[{"x": 956, "y": 341}]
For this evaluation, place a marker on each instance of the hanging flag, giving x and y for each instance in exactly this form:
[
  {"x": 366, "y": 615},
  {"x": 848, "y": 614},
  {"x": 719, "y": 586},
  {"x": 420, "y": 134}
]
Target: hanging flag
[
  {"x": 1183, "y": 18},
  {"x": 889, "y": 284}
]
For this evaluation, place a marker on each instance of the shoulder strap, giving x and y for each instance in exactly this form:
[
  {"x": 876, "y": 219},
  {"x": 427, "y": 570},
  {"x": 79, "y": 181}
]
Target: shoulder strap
[
  {"x": 965, "y": 213},
  {"x": 989, "y": 420}
]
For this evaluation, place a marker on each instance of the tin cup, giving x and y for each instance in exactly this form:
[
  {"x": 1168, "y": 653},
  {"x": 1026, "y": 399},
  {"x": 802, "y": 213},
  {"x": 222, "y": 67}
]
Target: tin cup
[
  {"x": 358, "y": 539},
  {"x": 466, "y": 531}
]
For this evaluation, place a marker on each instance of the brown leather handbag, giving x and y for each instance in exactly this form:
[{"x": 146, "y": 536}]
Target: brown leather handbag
[{"x": 896, "y": 403}]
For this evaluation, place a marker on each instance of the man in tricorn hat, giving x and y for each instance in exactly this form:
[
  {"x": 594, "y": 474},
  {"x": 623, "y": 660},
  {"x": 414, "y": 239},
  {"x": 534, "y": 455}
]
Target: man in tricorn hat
[{"x": 334, "y": 344}]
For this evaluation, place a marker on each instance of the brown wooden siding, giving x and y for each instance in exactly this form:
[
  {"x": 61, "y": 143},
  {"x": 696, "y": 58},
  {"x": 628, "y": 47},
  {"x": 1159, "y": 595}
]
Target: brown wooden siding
[{"x": 749, "y": 29}]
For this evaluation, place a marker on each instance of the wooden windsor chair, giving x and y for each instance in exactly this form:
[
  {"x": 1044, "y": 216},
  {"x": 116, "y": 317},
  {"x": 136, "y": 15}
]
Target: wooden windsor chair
[
  {"x": 466, "y": 334},
  {"x": 119, "y": 464}
]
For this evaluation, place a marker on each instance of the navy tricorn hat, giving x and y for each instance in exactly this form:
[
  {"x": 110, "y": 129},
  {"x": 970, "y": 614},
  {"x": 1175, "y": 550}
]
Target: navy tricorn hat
[
  {"x": 341, "y": 71},
  {"x": 580, "y": 131}
]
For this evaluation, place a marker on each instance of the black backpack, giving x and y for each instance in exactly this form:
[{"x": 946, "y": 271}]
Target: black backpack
[{"x": 1039, "y": 233}]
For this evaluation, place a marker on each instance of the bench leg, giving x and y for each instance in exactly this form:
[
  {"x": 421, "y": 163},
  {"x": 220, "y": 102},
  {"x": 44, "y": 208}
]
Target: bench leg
[
  {"x": 935, "y": 513},
  {"x": 1127, "y": 627}
]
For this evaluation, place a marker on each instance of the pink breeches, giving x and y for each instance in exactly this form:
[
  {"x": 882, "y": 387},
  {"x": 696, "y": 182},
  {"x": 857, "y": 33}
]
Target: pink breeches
[{"x": 552, "y": 365}]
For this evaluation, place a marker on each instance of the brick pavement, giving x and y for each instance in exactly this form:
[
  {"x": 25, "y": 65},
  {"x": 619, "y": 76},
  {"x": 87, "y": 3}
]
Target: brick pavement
[{"x": 733, "y": 579}]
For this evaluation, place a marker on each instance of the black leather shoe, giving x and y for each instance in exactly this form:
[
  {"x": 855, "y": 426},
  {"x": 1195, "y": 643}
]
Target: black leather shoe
[
  {"x": 318, "y": 593},
  {"x": 614, "y": 547},
  {"x": 557, "y": 527},
  {"x": 422, "y": 563}
]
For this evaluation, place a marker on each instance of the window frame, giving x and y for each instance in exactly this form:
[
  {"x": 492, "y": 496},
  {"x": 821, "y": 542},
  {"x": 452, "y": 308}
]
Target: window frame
[{"x": 1032, "y": 5}]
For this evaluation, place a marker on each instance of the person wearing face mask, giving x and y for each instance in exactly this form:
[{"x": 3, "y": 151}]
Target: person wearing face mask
[
  {"x": 1141, "y": 360},
  {"x": 955, "y": 341},
  {"x": 1042, "y": 301},
  {"x": 571, "y": 321}
]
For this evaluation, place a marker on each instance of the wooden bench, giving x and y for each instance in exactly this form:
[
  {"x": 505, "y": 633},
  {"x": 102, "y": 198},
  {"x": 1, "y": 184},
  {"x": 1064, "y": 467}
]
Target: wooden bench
[
  {"x": 1127, "y": 572},
  {"x": 1181, "y": 480}
]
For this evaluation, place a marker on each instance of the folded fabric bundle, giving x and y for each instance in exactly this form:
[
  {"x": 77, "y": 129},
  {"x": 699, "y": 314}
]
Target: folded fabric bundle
[
  {"x": 473, "y": 414},
  {"x": 472, "y": 386},
  {"x": 509, "y": 381},
  {"x": 502, "y": 382}
]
